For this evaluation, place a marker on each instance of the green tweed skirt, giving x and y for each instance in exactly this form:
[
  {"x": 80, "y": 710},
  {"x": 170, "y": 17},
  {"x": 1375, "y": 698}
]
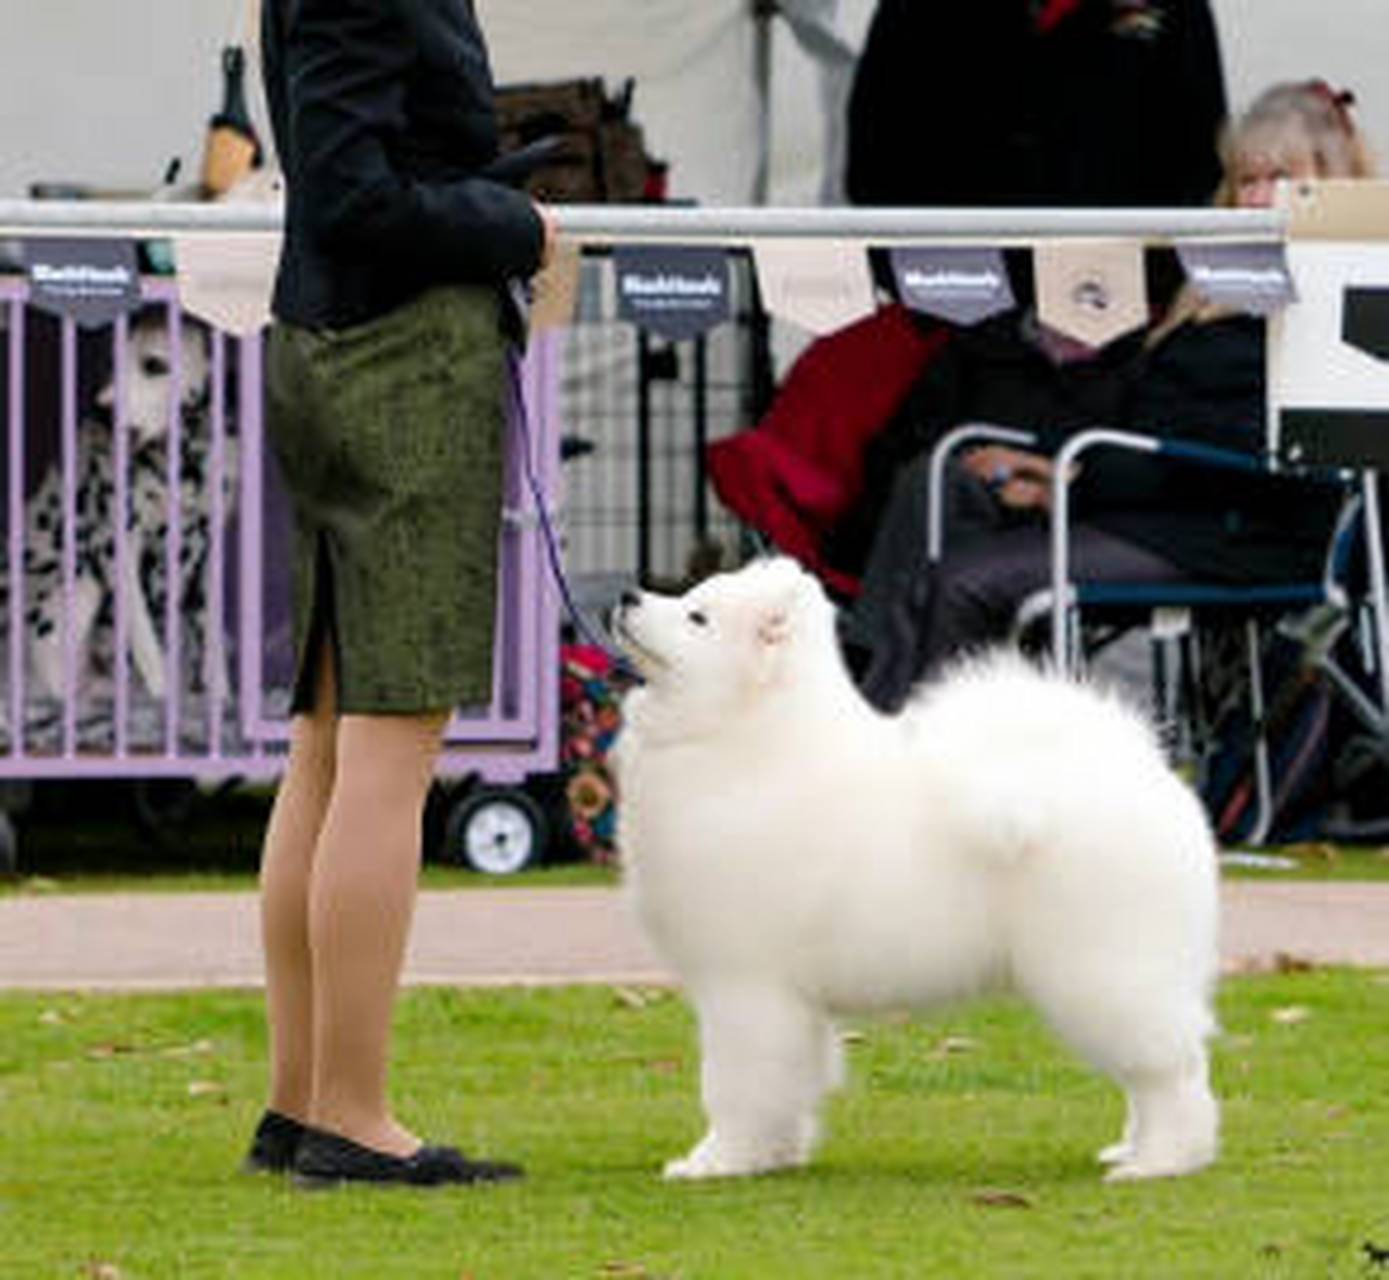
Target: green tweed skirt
[{"x": 390, "y": 436}]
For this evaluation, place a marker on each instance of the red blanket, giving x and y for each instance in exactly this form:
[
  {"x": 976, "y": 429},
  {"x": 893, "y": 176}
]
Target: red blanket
[{"x": 800, "y": 469}]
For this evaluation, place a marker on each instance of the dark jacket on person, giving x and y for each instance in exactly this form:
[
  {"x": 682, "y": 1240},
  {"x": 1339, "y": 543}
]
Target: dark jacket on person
[
  {"x": 977, "y": 102},
  {"x": 1204, "y": 384},
  {"x": 383, "y": 119},
  {"x": 993, "y": 373}
]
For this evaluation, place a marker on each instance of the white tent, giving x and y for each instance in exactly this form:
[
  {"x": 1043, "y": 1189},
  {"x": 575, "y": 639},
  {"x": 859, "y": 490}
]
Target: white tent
[{"x": 107, "y": 91}]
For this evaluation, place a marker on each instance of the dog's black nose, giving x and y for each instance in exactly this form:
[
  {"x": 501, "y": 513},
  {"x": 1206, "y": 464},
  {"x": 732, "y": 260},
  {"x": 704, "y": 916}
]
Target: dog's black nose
[{"x": 629, "y": 599}]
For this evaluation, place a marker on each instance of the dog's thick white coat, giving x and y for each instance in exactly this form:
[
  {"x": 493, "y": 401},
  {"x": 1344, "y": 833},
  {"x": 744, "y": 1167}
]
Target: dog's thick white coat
[{"x": 794, "y": 856}]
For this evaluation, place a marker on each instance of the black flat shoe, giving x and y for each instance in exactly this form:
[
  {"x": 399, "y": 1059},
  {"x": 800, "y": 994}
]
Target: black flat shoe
[
  {"x": 325, "y": 1160},
  {"x": 274, "y": 1144}
]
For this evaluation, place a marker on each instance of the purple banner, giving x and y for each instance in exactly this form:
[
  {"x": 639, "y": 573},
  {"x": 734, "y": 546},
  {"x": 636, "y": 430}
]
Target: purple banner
[
  {"x": 91, "y": 281},
  {"x": 1248, "y": 277},
  {"x": 962, "y": 285},
  {"x": 675, "y": 292}
]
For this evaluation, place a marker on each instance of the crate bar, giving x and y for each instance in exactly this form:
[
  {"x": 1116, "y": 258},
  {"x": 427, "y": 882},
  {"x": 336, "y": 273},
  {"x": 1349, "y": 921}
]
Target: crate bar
[
  {"x": 250, "y": 661},
  {"x": 125, "y": 570},
  {"x": 254, "y": 767},
  {"x": 15, "y": 538},
  {"x": 68, "y": 375},
  {"x": 542, "y": 373},
  {"x": 173, "y": 531},
  {"x": 525, "y": 562},
  {"x": 213, "y": 657}
]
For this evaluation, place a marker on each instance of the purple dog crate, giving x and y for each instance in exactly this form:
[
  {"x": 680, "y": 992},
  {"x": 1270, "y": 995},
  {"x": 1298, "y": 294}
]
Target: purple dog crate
[{"x": 148, "y": 681}]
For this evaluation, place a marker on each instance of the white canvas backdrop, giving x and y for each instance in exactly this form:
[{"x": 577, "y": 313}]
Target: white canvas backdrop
[{"x": 106, "y": 91}]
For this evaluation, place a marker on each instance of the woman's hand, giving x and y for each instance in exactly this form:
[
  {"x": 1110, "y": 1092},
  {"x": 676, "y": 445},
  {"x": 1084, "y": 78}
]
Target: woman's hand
[
  {"x": 551, "y": 234},
  {"x": 1019, "y": 479}
]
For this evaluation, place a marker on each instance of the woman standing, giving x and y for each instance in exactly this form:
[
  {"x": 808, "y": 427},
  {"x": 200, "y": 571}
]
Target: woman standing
[{"x": 386, "y": 389}]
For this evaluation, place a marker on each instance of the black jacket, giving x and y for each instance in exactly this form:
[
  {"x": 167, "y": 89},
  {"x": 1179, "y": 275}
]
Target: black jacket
[
  {"x": 1204, "y": 384},
  {"x": 965, "y": 102},
  {"x": 383, "y": 117}
]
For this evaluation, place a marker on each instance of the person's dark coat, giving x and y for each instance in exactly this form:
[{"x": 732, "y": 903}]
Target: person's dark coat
[
  {"x": 383, "y": 120},
  {"x": 972, "y": 102},
  {"x": 1204, "y": 384}
]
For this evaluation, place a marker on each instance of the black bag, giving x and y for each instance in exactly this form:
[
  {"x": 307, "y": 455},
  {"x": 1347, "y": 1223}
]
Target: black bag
[{"x": 1328, "y": 771}]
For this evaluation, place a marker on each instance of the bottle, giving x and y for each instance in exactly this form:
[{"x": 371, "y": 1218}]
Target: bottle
[{"x": 232, "y": 148}]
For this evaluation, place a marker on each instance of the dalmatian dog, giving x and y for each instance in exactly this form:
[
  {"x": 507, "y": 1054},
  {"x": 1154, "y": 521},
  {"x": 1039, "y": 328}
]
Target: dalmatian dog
[{"x": 148, "y": 386}]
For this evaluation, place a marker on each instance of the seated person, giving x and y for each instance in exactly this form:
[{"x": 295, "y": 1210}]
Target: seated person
[{"x": 1141, "y": 518}]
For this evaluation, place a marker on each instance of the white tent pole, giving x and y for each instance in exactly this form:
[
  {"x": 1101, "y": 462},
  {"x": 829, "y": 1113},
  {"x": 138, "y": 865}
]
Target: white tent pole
[{"x": 763, "y": 11}]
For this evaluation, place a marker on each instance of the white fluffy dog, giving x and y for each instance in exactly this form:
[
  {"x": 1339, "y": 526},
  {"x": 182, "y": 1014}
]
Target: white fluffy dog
[{"x": 795, "y": 855}]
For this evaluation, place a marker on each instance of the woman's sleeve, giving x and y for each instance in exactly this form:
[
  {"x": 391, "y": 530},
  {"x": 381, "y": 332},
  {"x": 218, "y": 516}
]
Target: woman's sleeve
[{"x": 346, "y": 63}]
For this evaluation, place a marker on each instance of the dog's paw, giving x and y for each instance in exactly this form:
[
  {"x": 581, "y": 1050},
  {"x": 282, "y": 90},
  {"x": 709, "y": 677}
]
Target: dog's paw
[
  {"x": 1115, "y": 1153},
  {"x": 1137, "y": 1169},
  {"x": 713, "y": 1159},
  {"x": 690, "y": 1168}
]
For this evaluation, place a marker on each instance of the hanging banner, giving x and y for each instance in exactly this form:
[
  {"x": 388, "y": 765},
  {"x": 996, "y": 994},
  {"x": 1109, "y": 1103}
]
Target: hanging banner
[
  {"x": 1248, "y": 277},
  {"x": 962, "y": 285},
  {"x": 89, "y": 281},
  {"x": 820, "y": 285},
  {"x": 1091, "y": 290},
  {"x": 227, "y": 280},
  {"x": 673, "y": 291}
]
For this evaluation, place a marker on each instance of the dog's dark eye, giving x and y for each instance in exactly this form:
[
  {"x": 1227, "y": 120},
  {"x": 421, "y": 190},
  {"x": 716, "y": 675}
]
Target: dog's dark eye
[
  {"x": 698, "y": 617},
  {"x": 154, "y": 366}
]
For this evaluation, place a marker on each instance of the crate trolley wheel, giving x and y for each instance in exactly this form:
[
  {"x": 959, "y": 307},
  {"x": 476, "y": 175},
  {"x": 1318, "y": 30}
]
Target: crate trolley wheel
[{"x": 496, "y": 830}]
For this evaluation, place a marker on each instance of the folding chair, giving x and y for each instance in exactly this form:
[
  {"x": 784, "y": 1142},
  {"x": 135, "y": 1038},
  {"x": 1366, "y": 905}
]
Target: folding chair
[{"x": 1328, "y": 386}]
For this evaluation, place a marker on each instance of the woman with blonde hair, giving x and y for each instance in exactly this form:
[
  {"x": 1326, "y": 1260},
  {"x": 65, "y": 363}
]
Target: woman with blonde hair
[
  {"x": 1302, "y": 129},
  {"x": 1293, "y": 131}
]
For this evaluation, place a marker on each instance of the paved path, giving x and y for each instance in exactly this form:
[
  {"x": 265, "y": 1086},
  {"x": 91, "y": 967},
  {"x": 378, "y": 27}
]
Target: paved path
[{"x": 499, "y": 936}]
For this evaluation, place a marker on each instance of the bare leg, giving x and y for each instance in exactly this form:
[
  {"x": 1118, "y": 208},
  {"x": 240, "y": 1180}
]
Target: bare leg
[
  {"x": 360, "y": 907},
  {"x": 286, "y": 867}
]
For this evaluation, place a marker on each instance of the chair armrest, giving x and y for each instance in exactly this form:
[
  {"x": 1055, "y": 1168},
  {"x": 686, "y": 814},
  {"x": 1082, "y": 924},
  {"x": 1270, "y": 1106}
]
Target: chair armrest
[
  {"x": 952, "y": 440},
  {"x": 1185, "y": 451}
]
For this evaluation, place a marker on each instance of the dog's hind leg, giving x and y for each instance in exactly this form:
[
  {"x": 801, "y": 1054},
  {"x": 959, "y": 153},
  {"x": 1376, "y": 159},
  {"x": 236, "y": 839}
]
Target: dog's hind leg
[
  {"x": 1153, "y": 1045},
  {"x": 1175, "y": 1125},
  {"x": 768, "y": 1060},
  {"x": 1118, "y": 1152},
  {"x": 78, "y": 614}
]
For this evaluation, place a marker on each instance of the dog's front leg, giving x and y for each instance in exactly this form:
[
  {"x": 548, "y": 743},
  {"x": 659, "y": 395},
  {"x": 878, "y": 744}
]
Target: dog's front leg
[
  {"x": 144, "y": 639},
  {"x": 768, "y": 1060}
]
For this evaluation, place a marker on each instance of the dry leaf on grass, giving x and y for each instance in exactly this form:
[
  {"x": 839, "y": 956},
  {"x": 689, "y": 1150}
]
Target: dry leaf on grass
[
  {"x": 996, "y": 1199},
  {"x": 98, "y": 1270},
  {"x": 951, "y": 1047},
  {"x": 1290, "y": 1015},
  {"x": 196, "y": 1049}
]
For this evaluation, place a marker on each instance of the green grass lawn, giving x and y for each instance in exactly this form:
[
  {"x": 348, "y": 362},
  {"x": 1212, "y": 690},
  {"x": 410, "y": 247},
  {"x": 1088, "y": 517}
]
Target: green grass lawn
[{"x": 962, "y": 1148}]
